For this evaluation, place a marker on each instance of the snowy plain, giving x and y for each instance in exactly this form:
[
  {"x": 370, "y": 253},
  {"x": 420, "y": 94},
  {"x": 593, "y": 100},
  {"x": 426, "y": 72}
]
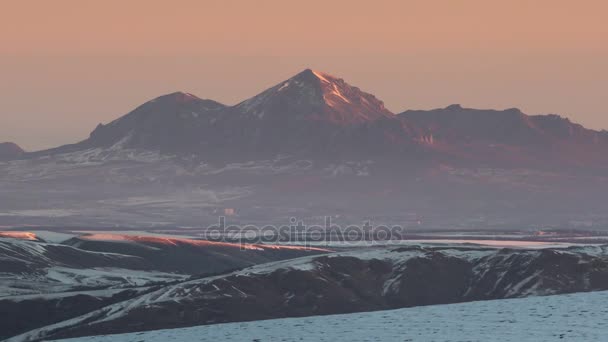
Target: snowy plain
[{"x": 579, "y": 317}]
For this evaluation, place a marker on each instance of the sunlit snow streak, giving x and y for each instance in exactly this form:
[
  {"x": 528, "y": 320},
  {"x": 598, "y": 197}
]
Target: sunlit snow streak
[
  {"x": 192, "y": 242},
  {"x": 19, "y": 235}
]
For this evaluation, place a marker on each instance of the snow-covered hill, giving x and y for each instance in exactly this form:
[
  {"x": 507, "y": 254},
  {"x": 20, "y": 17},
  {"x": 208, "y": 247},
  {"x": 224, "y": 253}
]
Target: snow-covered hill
[
  {"x": 364, "y": 279},
  {"x": 577, "y": 317},
  {"x": 31, "y": 267},
  {"x": 93, "y": 261},
  {"x": 42, "y": 283}
]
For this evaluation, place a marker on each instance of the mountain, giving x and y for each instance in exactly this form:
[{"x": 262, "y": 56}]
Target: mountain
[
  {"x": 172, "y": 123},
  {"x": 43, "y": 283},
  {"x": 510, "y": 126},
  {"x": 9, "y": 150},
  {"x": 315, "y": 145},
  {"x": 280, "y": 119},
  {"x": 317, "y": 116},
  {"x": 313, "y": 114},
  {"x": 364, "y": 279},
  {"x": 509, "y": 137},
  {"x": 174, "y": 254},
  {"x": 314, "y": 96}
]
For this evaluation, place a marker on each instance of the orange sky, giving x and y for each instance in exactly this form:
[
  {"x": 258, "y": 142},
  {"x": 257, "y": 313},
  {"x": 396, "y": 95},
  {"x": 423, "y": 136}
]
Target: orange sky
[{"x": 67, "y": 65}]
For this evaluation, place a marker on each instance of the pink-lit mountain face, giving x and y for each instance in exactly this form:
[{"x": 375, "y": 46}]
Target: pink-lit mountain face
[
  {"x": 509, "y": 137},
  {"x": 315, "y": 97}
]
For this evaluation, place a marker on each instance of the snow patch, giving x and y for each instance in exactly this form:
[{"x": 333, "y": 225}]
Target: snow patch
[
  {"x": 573, "y": 317},
  {"x": 320, "y": 75},
  {"x": 337, "y": 92}
]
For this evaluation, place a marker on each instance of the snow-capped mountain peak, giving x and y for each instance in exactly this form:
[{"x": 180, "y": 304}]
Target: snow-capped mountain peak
[{"x": 315, "y": 96}]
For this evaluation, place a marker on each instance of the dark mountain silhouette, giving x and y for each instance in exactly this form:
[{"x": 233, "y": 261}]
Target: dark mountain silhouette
[
  {"x": 9, "y": 150},
  {"x": 171, "y": 122},
  {"x": 174, "y": 122}
]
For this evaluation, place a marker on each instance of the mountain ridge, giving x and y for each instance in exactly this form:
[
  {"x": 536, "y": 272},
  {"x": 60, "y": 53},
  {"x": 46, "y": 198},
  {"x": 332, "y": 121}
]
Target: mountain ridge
[
  {"x": 315, "y": 115},
  {"x": 364, "y": 279}
]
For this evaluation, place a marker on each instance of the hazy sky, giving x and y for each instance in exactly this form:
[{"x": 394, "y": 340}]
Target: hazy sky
[{"x": 67, "y": 65}]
